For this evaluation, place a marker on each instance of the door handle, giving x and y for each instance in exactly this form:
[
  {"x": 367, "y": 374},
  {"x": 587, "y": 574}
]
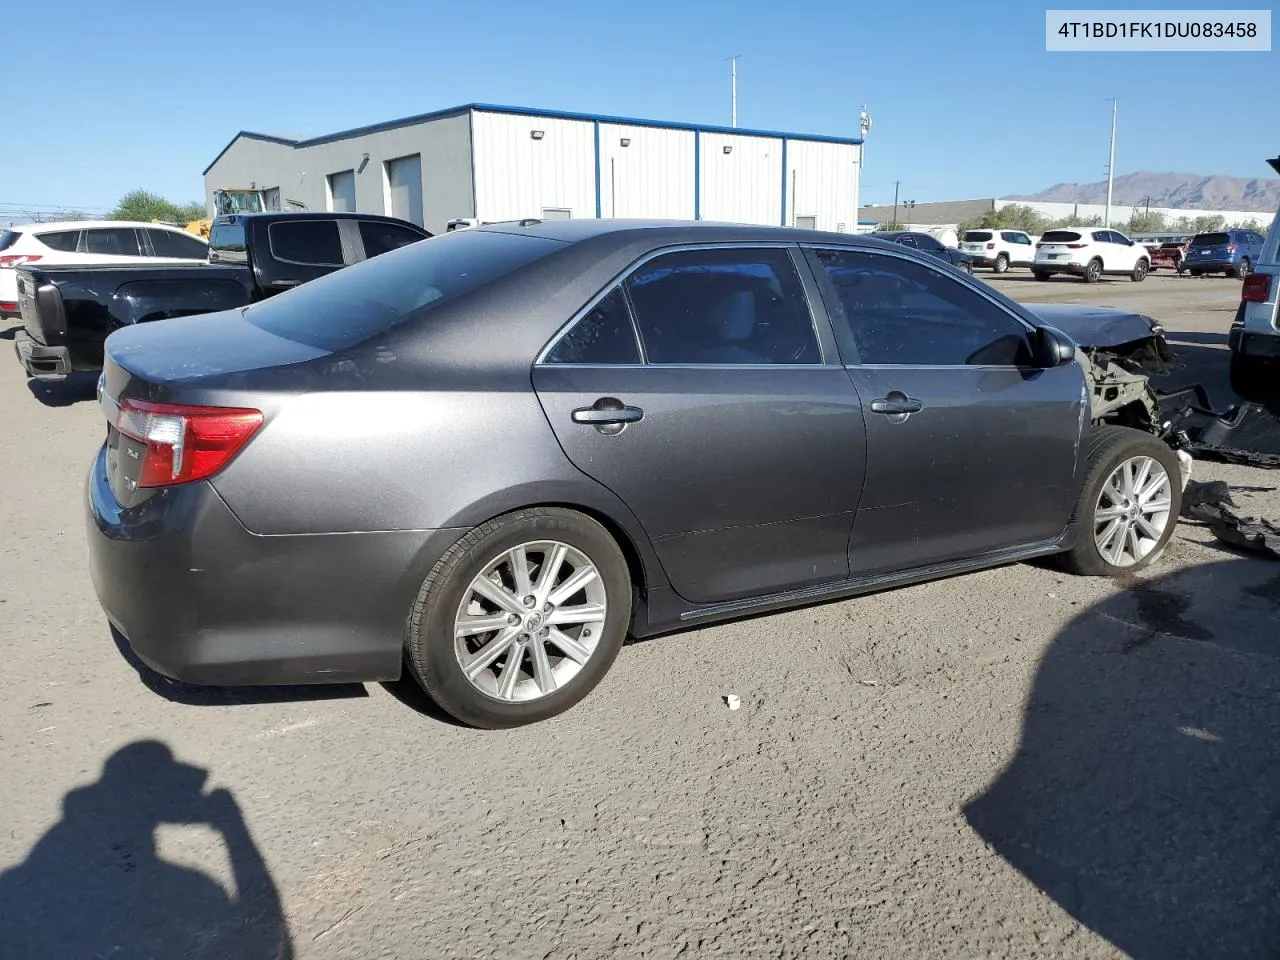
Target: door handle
[
  {"x": 896, "y": 403},
  {"x": 609, "y": 415}
]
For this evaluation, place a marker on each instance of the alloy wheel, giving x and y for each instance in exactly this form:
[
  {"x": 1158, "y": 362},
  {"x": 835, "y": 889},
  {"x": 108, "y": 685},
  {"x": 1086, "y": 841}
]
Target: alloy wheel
[
  {"x": 1133, "y": 511},
  {"x": 529, "y": 621}
]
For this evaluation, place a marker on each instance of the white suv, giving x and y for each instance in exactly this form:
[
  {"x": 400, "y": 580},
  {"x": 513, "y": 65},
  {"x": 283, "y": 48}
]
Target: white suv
[
  {"x": 998, "y": 249},
  {"x": 1089, "y": 252},
  {"x": 1254, "y": 337},
  {"x": 89, "y": 242}
]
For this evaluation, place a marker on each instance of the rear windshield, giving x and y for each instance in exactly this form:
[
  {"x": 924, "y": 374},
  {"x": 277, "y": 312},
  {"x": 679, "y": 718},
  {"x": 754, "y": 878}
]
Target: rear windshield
[
  {"x": 226, "y": 243},
  {"x": 357, "y": 302},
  {"x": 977, "y": 236},
  {"x": 1211, "y": 239},
  {"x": 1060, "y": 236},
  {"x": 7, "y": 238}
]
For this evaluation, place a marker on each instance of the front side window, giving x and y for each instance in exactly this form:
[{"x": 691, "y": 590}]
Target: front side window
[
  {"x": 604, "y": 336},
  {"x": 112, "y": 241},
  {"x": 313, "y": 242},
  {"x": 900, "y": 312},
  {"x": 382, "y": 237},
  {"x": 723, "y": 306}
]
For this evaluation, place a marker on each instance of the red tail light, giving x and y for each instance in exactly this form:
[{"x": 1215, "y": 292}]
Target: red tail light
[
  {"x": 184, "y": 443},
  {"x": 18, "y": 259},
  {"x": 8, "y": 308},
  {"x": 1257, "y": 288},
  {"x": 1231, "y": 248},
  {"x": 991, "y": 246},
  {"x": 1076, "y": 246}
]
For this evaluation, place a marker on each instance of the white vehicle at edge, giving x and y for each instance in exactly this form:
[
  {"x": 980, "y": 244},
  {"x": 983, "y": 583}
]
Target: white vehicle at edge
[
  {"x": 1254, "y": 337},
  {"x": 998, "y": 249},
  {"x": 1088, "y": 253},
  {"x": 89, "y": 242}
]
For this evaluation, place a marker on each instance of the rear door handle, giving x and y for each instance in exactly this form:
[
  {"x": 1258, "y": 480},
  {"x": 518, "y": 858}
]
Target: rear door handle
[
  {"x": 608, "y": 415},
  {"x": 896, "y": 403}
]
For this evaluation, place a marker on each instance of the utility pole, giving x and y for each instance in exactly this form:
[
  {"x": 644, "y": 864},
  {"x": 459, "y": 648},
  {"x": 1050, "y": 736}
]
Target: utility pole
[
  {"x": 896, "y": 184},
  {"x": 733, "y": 81},
  {"x": 1111, "y": 163}
]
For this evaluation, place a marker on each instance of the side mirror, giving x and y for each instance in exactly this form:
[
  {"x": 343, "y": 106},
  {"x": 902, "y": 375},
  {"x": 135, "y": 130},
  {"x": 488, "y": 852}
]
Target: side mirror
[{"x": 1055, "y": 347}]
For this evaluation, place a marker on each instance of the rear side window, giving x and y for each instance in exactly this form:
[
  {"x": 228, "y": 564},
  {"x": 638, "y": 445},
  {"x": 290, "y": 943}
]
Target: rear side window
[
  {"x": 112, "y": 241},
  {"x": 603, "y": 336},
  {"x": 900, "y": 312},
  {"x": 723, "y": 306},
  {"x": 1060, "y": 236},
  {"x": 227, "y": 243},
  {"x": 1211, "y": 239},
  {"x": 313, "y": 242},
  {"x": 64, "y": 240},
  {"x": 977, "y": 236},
  {"x": 8, "y": 238},
  {"x": 170, "y": 243},
  {"x": 384, "y": 237},
  {"x": 350, "y": 305}
]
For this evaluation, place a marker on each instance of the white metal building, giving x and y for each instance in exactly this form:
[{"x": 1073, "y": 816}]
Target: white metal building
[{"x": 493, "y": 162}]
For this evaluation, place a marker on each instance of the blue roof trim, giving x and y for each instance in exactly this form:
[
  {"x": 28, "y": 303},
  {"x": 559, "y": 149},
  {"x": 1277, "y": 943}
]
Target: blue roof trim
[
  {"x": 250, "y": 135},
  {"x": 528, "y": 112}
]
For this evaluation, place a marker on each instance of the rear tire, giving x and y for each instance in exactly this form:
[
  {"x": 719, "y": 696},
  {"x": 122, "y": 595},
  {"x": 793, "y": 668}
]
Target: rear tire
[
  {"x": 1093, "y": 271},
  {"x": 1041, "y": 275},
  {"x": 1001, "y": 264},
  {"x": 1242, "y": 270},
  {"x": 1139, "y": 271},
  {"x": 1109, "y": 509},
  {"x": 1249, "y": 378},
  {"x": 1196, "y": 273},
  {"x": 563, "y": 643}
]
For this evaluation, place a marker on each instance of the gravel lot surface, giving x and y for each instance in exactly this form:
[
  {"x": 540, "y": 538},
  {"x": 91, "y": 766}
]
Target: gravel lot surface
[{"x": 1016, "y": 763}]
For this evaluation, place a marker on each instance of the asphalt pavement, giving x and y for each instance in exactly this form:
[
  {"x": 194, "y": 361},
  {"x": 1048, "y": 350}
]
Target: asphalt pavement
[{"x": 1016, "y": 763}]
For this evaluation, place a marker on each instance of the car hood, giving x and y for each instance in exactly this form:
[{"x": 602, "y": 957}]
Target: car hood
[{"x": 1096, "y": 328}]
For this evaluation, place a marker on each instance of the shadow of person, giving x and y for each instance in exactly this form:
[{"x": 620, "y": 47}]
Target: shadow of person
[
  {"x": 1144, "y": 797},
  {"x": 95, "y": 886}
]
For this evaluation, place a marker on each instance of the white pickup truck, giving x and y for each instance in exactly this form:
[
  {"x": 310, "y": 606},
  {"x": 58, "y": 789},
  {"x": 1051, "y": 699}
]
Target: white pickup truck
[{"x": 1254, "y": 337}]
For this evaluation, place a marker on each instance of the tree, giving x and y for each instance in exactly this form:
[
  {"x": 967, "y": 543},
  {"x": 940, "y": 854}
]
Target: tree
[
  {"x": 1147, "y": 222},
  {"x": 144, "y": 206},
  {"x": 1250, "y": 224},
  {"x": 1015, "y": 216},
  {"x": 1205, "y": 224}
]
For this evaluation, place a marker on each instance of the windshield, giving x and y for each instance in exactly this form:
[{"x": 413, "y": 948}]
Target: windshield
[
  {"x": 1211, "y": 239},
  {"x": 237, "y": 201},
  {"x": 357, "y": 302},
  {"x": 1060, "y": 236},
  {"x": 977, "y": 236}
]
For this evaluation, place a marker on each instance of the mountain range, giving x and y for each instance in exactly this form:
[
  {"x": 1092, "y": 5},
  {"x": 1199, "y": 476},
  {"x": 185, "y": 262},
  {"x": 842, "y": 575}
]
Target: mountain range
[{"x": 1180, "y": 190}]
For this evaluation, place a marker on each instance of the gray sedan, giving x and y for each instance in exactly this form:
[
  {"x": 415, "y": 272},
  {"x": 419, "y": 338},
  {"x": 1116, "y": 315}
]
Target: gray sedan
[{"x": 491, "y": 455}]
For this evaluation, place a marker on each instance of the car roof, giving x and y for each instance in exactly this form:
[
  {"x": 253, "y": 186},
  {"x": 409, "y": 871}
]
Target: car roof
[
  {"x": 312, "y": 215},
  {"x": 669, "y": 232},
  {"x": 53, "y": 227}
]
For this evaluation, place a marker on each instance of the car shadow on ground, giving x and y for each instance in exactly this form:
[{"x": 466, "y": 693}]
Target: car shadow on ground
[
  {"x": 191, "y": 694},
  {"x": 95, "y": 884},
  {"x": 76, "y": 388},
  {"x": 11, "y": 333},
  {"x": 1144, "y": 797}
]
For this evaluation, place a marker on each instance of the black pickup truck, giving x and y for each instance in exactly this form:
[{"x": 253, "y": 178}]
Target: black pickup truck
[{"x": 69, "y": 311}]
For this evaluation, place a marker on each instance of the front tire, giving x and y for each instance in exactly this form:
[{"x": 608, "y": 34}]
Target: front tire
[
  {"x": 521, "y": 618},
  {"x": 1093, "y": 271},
  {"x": 1129, "y": 505},
  {"x": 1139, "y": 271}
]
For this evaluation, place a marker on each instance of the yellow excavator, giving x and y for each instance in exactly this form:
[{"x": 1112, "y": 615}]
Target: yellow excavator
[{"x": 234, "y": 200}]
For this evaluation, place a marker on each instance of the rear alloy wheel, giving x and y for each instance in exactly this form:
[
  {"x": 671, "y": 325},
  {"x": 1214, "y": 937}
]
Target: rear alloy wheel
[
  {"x": 1129, "y": 505},
  {"x": 1139, "y": 271},
  {"x": 1242, "y": 270},
  {"x": 1093, "y": 270},
  {"x": 521, "y": 618},
  {"x": 1001, "y": 264}
]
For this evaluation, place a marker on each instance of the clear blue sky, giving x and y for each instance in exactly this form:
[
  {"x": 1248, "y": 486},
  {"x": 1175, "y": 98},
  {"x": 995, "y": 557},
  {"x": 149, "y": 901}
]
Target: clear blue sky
[{"x": 964, "y": 99}]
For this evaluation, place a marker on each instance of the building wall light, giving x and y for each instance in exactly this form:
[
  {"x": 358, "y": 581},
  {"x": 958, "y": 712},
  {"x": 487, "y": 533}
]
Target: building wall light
[
  {"x": 625, "y": 141},
  {"x": 537, "y": 134},
  {"x": 728, "y": 149}
]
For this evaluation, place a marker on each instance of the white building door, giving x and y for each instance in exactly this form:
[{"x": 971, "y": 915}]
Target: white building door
[
  {"x": 404, "y": 188},
  {"x": 342, "y": 190}
]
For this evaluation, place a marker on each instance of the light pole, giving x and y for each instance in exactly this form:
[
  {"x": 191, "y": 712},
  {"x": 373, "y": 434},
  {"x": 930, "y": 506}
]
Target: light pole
[
  {"x": 1111, "y": 163},
  {"x": 896, "y": 184},
  {"x": 910, "y": 205},
  {"x": 733, "y": 89}
]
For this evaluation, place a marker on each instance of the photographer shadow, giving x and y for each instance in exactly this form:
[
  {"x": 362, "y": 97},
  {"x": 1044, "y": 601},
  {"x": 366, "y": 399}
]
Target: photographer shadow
[
  {"x": 95, "y": 886},
  {"x": 1144, "y": 797}
]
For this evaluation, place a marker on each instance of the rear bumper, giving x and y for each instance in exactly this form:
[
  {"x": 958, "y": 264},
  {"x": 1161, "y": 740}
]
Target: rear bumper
[
  {"x": 1249, "y": 344},
  {"x": 1211, "y": 264},
  {"x": 202, "y": 600},
  {"x": 40, "y": 361}
]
